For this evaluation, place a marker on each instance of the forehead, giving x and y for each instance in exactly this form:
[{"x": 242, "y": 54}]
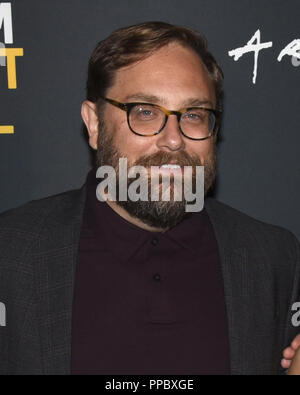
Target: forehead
[{"x": 172, "y": 73}]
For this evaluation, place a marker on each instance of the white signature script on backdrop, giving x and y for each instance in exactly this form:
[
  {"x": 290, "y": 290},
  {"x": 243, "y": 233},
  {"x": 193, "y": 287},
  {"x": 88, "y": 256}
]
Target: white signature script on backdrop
[{"x": 255, "y": 45}]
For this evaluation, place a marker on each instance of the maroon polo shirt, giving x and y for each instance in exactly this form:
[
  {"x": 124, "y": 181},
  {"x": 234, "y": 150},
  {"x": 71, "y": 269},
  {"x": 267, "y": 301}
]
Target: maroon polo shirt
[{"x": 147, "y": 302}]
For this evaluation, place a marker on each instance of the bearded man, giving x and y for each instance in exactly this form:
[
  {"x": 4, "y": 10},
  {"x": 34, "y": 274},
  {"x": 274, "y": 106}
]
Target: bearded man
[{"x": 142, "y": 286}]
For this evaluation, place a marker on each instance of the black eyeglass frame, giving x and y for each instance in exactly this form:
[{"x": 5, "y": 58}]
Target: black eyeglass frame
[{"x": 129, "y": 106}]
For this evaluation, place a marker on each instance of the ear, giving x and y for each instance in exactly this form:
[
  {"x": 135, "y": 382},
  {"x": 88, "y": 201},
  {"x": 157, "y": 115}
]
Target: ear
[{"x": 91, "y": 120}]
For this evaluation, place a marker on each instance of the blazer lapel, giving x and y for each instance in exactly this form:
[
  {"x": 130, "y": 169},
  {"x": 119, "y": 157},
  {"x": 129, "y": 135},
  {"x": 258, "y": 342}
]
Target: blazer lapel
[
  {"x": 55, "y": 259},
  {"x": 234, "y": 269}
]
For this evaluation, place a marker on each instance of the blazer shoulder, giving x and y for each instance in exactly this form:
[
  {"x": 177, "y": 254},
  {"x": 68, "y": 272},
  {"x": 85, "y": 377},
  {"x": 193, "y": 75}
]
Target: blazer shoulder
[
  {"x": 28, "y": 216},
  {"x": 247, "y": 226},
  {"x": 22, "y": 226}
]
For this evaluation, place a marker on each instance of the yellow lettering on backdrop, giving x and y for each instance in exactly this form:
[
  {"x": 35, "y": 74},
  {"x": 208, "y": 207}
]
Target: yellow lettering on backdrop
[
  {"x": 7, "y": 129},
  {"x": 11, "y": 54}
]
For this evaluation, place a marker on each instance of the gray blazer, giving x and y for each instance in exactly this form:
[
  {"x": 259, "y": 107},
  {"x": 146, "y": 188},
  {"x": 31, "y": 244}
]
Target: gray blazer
[{"x": 38, "y": 253}]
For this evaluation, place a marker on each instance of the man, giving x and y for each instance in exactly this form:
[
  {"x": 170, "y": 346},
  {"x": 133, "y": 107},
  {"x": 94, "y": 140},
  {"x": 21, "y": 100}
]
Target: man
[{"x": 143, "y": 287}]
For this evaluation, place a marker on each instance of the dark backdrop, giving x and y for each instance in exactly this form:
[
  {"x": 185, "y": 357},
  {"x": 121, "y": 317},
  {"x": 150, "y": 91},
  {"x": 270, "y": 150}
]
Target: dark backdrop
[{"x": 260, "y": 137}]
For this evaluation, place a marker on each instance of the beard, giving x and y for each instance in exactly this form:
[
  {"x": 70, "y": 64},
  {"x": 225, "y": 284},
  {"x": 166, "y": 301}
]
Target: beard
[{"x": 158, "y": 214}]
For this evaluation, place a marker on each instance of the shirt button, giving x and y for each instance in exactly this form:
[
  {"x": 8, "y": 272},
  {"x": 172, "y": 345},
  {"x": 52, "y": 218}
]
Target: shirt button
[
  {"x": 154, "y": 241},
  {"x": 156, "y": 277}
]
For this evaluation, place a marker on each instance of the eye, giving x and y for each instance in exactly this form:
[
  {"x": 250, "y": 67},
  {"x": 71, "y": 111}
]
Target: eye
[
  {"x": 192, "y": 115},
  {"x": 195, "y": 115},
  {"x": 144, "y": 112}
]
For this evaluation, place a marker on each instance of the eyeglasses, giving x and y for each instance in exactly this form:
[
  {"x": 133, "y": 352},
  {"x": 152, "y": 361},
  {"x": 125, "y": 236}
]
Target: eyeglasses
[{"x": 145, "y": 119}]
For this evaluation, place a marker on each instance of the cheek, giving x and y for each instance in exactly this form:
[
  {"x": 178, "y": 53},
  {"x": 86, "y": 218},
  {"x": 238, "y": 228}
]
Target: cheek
[
  {"x": 202, "y": 149},
  {"x": 129, "y": 144}
]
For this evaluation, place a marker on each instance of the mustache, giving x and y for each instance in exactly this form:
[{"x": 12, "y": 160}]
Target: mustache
[{"x": 181, "y": 158}]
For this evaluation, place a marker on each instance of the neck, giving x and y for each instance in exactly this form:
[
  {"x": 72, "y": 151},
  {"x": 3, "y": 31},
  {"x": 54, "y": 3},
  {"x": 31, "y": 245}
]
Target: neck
[{"x": 133, "y": 220}]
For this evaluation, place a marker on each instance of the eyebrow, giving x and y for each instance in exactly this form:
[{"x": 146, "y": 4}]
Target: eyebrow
[{"x": 159, "y": 100}]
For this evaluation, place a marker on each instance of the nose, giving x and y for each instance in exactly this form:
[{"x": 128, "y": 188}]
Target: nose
[{"x": 170, "y": 138}]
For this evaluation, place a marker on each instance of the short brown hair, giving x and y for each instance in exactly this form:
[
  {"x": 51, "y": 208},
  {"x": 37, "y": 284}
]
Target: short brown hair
[{"x": 128, "y": 45}]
